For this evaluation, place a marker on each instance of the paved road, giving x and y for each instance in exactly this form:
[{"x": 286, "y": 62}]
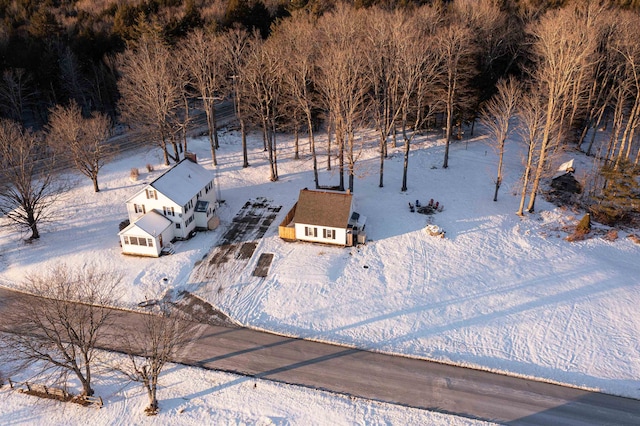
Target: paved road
[{"x": 398, "y": 380}]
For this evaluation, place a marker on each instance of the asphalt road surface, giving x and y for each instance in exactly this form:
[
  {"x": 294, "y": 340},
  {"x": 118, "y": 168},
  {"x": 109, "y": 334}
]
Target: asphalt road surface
[{"x": 398, "y": 380}]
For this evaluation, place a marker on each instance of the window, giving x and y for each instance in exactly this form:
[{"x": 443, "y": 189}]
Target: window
[
  {"x": 329, "y": 234},
  {"x": 168, "y": 211},
  {"x": 138, "y": 241},
  {"x": 151, "y": 194},
  {"x": 139, "y": 208},
  {"x": 177, "y": 226},
  {"x": 310, "y": 232}
]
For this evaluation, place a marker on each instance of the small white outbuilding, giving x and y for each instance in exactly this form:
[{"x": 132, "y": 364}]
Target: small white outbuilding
[{"x": 323, "y": 217}]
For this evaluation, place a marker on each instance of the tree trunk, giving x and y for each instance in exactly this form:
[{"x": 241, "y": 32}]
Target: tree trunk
[
  {"x": 33, "y": 225},
  {"x": 628, "y": 132},
  {"x": 186, "y": 121},
  {"x": 407, "y": 146},
  {"x": 525, "y": 178},
  {"x": 330, "y": 130},
  {"x": 499, "y": 177},
  {"x": 296, "y": 144},
  {"x": 165, "y": 154},
  {"x": 595, "y": 130},
  {"x": 243, "y": 131},
  {"x": 382, "y": 157},
  {"x": 245, "y": 154},
  {"x": 274, "y": 147},
  {"x": 212, "y": 142},
  {"x": 543, "y": 155},
  {"x": 351, "y": 141},
  {"x": 85, "y": 381},
  {"x": 214, "y": 125},
  {"x": 340, "y": 142},
  {"x": 312, "y": 144},
  {"x": 94, "y": 179},
  {"x": 448, "y": 125}
]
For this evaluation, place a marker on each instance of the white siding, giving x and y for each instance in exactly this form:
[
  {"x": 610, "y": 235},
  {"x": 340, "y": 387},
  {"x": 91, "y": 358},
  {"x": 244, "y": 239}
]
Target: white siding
[
  {"x": 318, "y": 235},
  {"x": 185, "y": 220},
  {"x": 147, "y": 235}
]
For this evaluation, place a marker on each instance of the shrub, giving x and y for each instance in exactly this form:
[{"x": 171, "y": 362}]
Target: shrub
[
  {"x": 582, "y": 229},
  {"x": 584, "y": 226},
  {"x": 619, "y": 199},
  {"x": 149, "y": 167},
  {"x": 123, "y": 224},
  {"x": 134, "y": 173},
  {"x": 612, "y": 235}
]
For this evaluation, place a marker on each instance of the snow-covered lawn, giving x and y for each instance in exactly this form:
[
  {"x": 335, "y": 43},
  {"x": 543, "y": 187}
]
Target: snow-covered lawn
[
  {"x": 191, "y": 396},
  {"x": 500, "y": 292}
]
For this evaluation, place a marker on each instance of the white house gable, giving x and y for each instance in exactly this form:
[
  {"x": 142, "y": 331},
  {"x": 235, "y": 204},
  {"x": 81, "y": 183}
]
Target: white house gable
[
  {"x": 147, "y": 236},
  {"x": 175, "y": 195}
]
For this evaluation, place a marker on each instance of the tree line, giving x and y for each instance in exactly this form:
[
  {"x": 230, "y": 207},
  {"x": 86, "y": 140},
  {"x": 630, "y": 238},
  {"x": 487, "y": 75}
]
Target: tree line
[{"x": 556, "y": 75}]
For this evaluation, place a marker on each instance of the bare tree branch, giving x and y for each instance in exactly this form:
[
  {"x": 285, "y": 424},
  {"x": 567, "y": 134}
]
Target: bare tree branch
[{"x": 62, "y": 325}]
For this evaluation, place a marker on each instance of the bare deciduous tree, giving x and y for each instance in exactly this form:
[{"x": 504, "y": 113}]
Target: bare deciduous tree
[
  {"x": 418, "y": 70},
  {"x": 497, "y": 37},
  {"x": 151, "y": 91},
  {"x": 72, "y": 78},
  {"x": 456, "y": 51},
  {"x": 601, "y": 82},
  {"x": 263, "y": 72},
  {"x": 151, "y": 346},
  {"x": 629, "y": 49},
  {"x": 561, "y": 48},
  {"x": 200, "y": 54},
  {"x": 297, "y": 37},
  {"x": 84, "y": 141},
  {"x": 380, "y": 58},
  {"x": 62, "y": 323},
  {"x": 236, "y": 45},
  {"x": 531, "y": 117},
  {"x": 15, "y": 93},
  {"x": 497, "y": 115},
  {"x": 341, "y": 80},
  {"x": 28, "y": 184}
]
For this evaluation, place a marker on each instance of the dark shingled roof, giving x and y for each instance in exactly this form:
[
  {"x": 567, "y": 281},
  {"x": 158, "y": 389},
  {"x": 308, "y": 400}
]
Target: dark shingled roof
[{"x": 322, "y": 208}]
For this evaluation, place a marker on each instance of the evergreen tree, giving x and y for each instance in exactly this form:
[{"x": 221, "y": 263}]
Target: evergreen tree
[{"x": 619, "y": 199}]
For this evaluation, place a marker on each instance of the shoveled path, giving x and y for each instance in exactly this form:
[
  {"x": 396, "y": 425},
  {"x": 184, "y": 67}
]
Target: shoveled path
[{"x": 398, "y": 380}]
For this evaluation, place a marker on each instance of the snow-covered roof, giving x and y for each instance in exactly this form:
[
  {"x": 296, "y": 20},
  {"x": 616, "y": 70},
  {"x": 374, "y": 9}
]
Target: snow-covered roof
[
  {"x": 152, "y": 223},
  {"x": 323, "y": 208},
  {"x": 181, "y": 182},
  {"x": 564, "y": 168}
]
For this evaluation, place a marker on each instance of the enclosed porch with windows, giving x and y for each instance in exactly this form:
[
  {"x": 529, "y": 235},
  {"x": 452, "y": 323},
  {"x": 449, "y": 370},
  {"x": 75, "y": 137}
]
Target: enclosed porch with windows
[{"x": 147, "y": 236}]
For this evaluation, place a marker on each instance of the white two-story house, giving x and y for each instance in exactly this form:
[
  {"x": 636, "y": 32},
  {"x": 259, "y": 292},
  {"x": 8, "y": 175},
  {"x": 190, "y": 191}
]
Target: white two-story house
[{"x": 173, "y": 206}]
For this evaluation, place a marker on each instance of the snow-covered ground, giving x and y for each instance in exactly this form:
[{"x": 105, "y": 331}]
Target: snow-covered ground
[
  {"x": 191, "y": 396},
  {"x": 500, "y": 292}
]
